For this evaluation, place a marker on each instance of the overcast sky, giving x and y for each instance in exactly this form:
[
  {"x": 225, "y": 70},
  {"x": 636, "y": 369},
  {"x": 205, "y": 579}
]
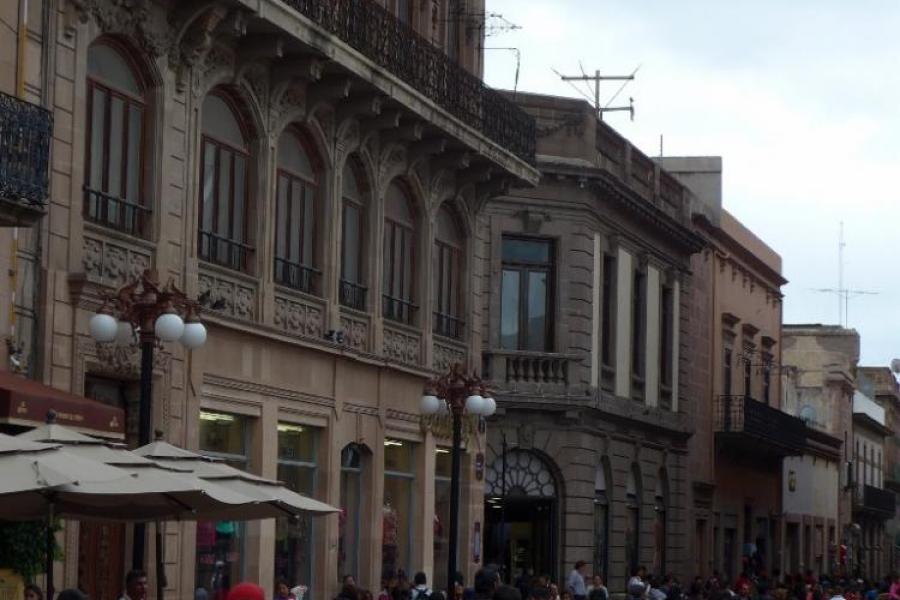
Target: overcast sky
[{"x": 800, "y": 98}]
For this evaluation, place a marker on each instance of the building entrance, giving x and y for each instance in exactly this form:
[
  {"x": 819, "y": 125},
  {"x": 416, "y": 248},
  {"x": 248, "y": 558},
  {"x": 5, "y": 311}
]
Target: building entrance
[{"x": 521, "y": 516}]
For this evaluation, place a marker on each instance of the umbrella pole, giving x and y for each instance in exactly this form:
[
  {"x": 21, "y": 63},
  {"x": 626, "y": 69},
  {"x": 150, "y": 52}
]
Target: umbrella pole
[
  {"x": 51, "y": 544},
  {"x": 160, "y": 566}
]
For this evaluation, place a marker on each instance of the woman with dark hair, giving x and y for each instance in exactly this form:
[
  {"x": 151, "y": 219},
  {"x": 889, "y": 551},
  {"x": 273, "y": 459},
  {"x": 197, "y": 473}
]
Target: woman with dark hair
[{"x": 33, "y": 592}]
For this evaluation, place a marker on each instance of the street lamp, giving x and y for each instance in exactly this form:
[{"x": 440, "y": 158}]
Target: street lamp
[
  {"x": 458, "y": 395},
  {"x": 149, "y": 311}
]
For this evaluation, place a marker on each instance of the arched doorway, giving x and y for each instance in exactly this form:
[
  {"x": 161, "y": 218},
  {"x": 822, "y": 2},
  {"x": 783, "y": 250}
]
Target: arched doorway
[{"x": 521, "y": 515}]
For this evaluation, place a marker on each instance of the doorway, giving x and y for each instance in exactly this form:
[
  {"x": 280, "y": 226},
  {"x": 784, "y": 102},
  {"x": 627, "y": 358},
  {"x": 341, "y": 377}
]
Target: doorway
[
  {"x": 520, "y": 536},
  {"x": 101, "y": 559}
]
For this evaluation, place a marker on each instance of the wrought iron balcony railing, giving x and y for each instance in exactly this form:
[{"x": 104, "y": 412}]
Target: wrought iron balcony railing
[
  {"x": 25, "y": 132},
  {"x": 875, "y": 500},
  {"x": 394, "y": 45},
  {"x": 748, "y": 420}
]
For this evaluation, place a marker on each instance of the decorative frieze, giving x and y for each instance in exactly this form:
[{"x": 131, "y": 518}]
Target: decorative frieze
[
  {"x": 112, "y": 263},
  {"x": 356, "y": 332},
  {"x": 402, "y": 345},
  {"x": 447, "y": 354},
  {"x": 228, "y": 295},
  {"x": 300, "y": 316}
]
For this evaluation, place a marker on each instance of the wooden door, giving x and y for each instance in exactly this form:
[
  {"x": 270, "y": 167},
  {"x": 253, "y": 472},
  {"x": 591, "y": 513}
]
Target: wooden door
[{"x": 101, "y": 560}]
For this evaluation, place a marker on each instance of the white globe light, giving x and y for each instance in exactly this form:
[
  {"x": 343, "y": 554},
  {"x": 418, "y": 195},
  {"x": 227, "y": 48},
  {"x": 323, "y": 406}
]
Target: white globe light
[
  {"x": 490, "y": 406},
  {"x": 124, "y": 334},
  {"x": 430, "y": 404},
  {"x": 474, "y": 404},
  {"x": 169, "y": 327},
  {"x": 103, "y": 327},
  {"x": 194, "y": 335}
]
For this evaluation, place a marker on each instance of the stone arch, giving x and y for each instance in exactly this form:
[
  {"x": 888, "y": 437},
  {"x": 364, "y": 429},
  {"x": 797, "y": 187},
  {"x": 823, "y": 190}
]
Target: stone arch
[{"x": 528, "y": 474}]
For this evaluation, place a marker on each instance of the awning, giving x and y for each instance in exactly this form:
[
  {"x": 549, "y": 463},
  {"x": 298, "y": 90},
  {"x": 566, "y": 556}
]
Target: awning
[{"x": 26, "y": 402}]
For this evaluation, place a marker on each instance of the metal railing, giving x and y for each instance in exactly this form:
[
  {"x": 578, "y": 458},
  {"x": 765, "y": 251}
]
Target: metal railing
[
  {"x": 744, "y": 415},
  {"x": 875, "y": 499},
  {"x": 392, "y": 44},
  {"x": 224, "y": 251},
  {"x": 25, "y": 132},
  {"x": 398, "y": 309},
  {"x": 295, "y": 275},
  {"x": 352, "y": 295},
  {"x": 112, "y": 211},
  {"x": 448, "y": 325},
  {"x": 515, "y": 366}
]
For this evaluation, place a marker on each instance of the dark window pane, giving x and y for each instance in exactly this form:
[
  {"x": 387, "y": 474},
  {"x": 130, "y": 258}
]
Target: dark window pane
[
  {"x": 98, "y": 135},
  {"x": 296, "y": 224},
  {"x": 223, "y": 208},
  {"x": 308, "y": 225},
  {"x": 240, "y": 186},
  {"x": 222, "y": 433},
  {"x": 209, "y": 188},
  {"x": 116, "y": 137},
  {"x": 526, "y": 251},
  {"x": 537, "y": 311},
  {"x": 133, "y": 162},
  {"x": 297, "y": 443},
  {"x": 509, "y": 310},
  {"x": 350, "y": 244},
  {"x": 281, "y": 215}
]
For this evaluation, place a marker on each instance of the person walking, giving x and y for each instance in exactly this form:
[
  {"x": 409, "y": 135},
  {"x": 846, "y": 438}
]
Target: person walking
[
  {"x": 33, "y": 592},
  {"x": 575, "y": 581},
  {"x": 637, "y": 587},
  {"x": 420, "y": 590},
  {"x": 135, "y": 585},
  {"x": 597, "y": 591}
]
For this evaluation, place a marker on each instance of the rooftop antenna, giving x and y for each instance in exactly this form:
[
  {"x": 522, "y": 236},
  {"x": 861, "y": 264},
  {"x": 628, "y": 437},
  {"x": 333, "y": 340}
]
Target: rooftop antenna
[
  {"x": 842, "y": 292},
  {"x": 596, "y": 79},
  {"x": 518, "y": 54}
]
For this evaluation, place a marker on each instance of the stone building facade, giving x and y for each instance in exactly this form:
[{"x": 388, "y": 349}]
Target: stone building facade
[
  {"x": 819, "y": 375},
  {"x": 583, "y": 313},
  {"x": 312, "y": 172},
  {"x": 740, "y": 434}
]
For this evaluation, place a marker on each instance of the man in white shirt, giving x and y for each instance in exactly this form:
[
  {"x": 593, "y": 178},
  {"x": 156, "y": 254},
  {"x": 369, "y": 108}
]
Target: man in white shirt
[{"x": 575, "y": 581}]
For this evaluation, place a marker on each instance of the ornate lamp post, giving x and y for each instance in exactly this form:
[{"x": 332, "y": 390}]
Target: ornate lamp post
[
  {"x": 152, "y": 312},
  {"x": 458, "y": 395}
]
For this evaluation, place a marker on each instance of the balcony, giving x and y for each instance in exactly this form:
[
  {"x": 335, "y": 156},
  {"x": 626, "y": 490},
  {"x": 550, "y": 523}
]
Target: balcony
[
  {"x": 744, "y": 425},
  {"x": 25, "y": 131},
  {"x": 521, "y": 371},
  {"x": 393, "y": 45},
  {"x": 875, "y": 501}
]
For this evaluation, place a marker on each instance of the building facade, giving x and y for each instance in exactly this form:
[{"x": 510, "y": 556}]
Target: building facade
[
  {"x": 311, "y": 172},
  {"x": 582, "y": 306},
  {"x": 819, "y": 375},
  {"x": 740, "y": 434}
]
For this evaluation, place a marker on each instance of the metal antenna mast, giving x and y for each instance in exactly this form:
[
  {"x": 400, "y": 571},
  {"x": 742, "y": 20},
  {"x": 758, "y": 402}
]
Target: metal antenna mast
[
  {"x": 596, "y": 78},
  {"x": 842, "y": 292}
]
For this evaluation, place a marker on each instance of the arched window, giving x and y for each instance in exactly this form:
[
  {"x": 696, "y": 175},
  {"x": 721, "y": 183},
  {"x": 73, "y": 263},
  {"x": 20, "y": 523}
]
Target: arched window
[
  {"x": 224, "y": 186},
  {"x": 602, "y": 491},
  {"x": 633, "y": 520},
  {"x": 660, "y": 533},
  {"x": 447, "y": 273},
  {"x": 352, "y": 288},
  {"x": 115, "y": 154},
  {"x": 399, "y": 262},
  {"x": 295, "y": 215}
]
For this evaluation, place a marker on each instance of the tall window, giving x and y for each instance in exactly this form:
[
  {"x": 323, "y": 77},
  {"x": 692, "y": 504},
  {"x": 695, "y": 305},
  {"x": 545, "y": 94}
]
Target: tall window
[
  {"x": 666, "y": 346},
  {"x": 441, "y": 514},
  {"x": 601, "y": 519},
  {"x": 447, "y": 272},
  {"x": 115, "y": 157},
  {"x": 295, "y": 215},
  {"x": 294, "y": 557},
  {"x": 767, "y": 378},
  {"x": 726, "y": 372},
  {"x": 399, "y": 262},
  {"x": 351, "y": 509},
  {"x": 220, "y": 550},
  {"x": 405, "y": 10},
  {"x": 352, "y": 288},
  {"x": 454, "y": 17},
  {"x": 633, "y": 520},
  {"x": 638, "y": 332},
  {"x": 608, "y": 323},
  {"x": 748, "y": 370},
  {"x": 525, "y": 321},
  {"x": 399, "y": 507},
  {"x": 224, "y": 185}
]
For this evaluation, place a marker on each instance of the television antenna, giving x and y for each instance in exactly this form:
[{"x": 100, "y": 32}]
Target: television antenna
[
  {"x": 842, "y": 292},
  {"x": 596, "y": 80}
]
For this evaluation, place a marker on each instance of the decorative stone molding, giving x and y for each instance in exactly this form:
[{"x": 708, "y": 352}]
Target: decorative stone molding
[
  {"x": 111, "y": 263},
  {"x": 447, "y": 353},
  {"x": 121, "y": 362},
  {"x": 356, "y": 331},
  {"x": 132, "y": 18},
  {"x": 228, "y": 295},
  {"x": 300, "y": 316},
  {"x": 402, "y": 345}
]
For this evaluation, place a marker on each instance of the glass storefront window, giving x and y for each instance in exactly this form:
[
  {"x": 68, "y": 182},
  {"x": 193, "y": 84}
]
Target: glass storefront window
[
  {"x": 219, "y": 543},
  {"x": 294, "y": 537},
  {"x": 442, "y": 473},
  {"x": 398, "y": 507},
  {"x": 351, "y": 505}
]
